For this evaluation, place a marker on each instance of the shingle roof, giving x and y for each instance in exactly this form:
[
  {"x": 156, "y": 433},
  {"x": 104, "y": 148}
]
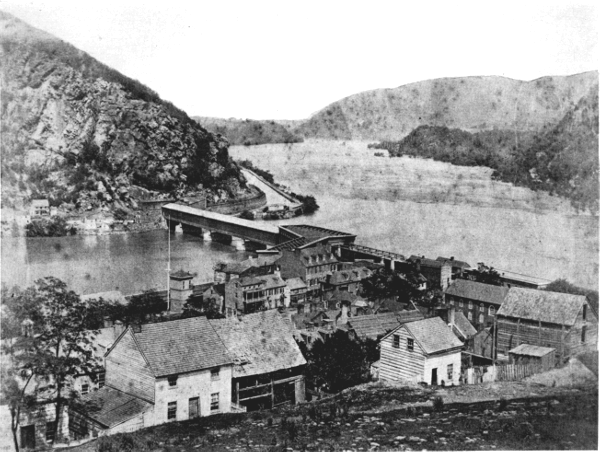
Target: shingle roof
[
  {"x": 114, "y": 406},
  {"x": 181, "y": 346},
  {"x": 290, "y": 244},
  {"x": 477, "y": 291},
  {"x": 453, "y": 262},
  {"x": 373, "y": 326},
  {"x": 542, "y": 305},
  {"x": 259, "y": 343},
  {"x": 425, "y": 262},
  {"x": 463, "y": 325},
  {"x": 260, "y": 261},
  {"x": 313, "y": 233},
  {"x": 531, "y": 350},
  {"x": 296, "y": 283},
  {"x": 433, "y": 335}
]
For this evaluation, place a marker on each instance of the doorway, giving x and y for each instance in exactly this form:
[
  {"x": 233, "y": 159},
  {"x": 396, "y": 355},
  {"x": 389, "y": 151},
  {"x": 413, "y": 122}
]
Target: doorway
[
  {"x": 28, "y": 437},
  {"x": 434, "y": 377},
  {"x": 194, "y": 407}
]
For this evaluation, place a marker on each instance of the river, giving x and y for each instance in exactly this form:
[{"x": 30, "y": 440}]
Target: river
[{"x": 410, "y": 206}]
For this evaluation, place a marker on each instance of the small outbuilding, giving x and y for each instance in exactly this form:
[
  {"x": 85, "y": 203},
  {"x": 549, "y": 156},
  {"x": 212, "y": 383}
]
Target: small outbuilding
[{"x": 533, "y": 354}]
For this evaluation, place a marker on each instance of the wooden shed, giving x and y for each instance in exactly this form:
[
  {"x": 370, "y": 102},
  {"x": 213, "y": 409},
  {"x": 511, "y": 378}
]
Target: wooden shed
[{"x": 533, "y": 354}]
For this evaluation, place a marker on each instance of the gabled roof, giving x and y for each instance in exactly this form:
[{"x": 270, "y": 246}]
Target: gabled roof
[
  {"x": 425, "y": 262},
  {"x": 454, "y": 262},
  {"x": 477, "y": 291},
  {"x": 266, "y": 281},
  {"x": 348, "y": 276},
  {"x": 252, "y": 262},
  {"x": 40, "y": 203},
  {"x": 296, "y": 283},
  {"x": 542, "y": 305},
  {"x": 114, "y": 406},
  {"x": 531, "y": 350},
  {"x": 462, "y": 324},
  {"x": 373, "y": 326},
  {"x": 433, "y": 335},
  {"x": 259, "y": 343},
  {"x": 181, "y": 346}
]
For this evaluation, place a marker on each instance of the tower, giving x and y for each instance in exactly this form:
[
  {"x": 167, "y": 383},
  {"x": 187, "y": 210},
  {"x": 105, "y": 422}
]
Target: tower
[{"x": 180, "y": 288}]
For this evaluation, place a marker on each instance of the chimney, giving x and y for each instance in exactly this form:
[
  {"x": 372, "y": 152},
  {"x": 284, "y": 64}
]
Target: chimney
[
  {"x": 418, "y": 264},
  {"x": 344, "y": 316},
  {"x": 451, "y": 258},
  {"x": 117, "y": 328},
  {"x": 451, "y": 314}
]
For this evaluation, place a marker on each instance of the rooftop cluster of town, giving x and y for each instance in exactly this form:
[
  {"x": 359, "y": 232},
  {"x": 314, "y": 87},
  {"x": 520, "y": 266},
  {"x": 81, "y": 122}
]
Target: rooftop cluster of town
[{"x": 247, "y": 354}]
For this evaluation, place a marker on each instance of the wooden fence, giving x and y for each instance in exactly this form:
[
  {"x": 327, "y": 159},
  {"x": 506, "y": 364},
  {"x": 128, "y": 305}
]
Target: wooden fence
[{"x": 507, "y": 372}]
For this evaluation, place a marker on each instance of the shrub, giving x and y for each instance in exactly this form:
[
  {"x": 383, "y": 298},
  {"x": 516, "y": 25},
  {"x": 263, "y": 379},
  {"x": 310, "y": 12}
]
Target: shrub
[
  {"x": 438, "y": 404},
  {"x": 502, "y": 405}
]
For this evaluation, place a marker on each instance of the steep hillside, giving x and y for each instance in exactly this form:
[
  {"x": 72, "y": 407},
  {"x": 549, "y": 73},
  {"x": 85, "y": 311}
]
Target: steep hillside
[
  {"x": 561, "y": 158},
  {"x": 469, "y": 103},
  {"x": 87, "y": 137},
  {"x": 249, "y": 132}
]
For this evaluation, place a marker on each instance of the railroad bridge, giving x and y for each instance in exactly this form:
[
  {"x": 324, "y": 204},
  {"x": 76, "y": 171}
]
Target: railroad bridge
[
  {"x": 391, "y": 260},
  {"x": 220, "y": 227}
]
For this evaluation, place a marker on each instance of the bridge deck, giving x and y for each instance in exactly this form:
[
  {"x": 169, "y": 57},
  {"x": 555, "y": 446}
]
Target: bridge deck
[
  {"x": 375, "y": 252},
  {"x": 219, "y": 217}
]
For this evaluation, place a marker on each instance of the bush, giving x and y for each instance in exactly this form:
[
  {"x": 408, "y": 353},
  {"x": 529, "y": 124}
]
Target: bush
[{"x": 438, "y": 404}]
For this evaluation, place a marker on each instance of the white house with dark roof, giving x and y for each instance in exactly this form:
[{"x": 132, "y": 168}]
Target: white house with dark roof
[
  {"x": 158, "y": 373},
  {"x": 421, "y": 351}
]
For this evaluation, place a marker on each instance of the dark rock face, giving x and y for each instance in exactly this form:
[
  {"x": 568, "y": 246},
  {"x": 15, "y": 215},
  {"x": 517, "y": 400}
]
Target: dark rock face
[{"x": 80, "y": 133}]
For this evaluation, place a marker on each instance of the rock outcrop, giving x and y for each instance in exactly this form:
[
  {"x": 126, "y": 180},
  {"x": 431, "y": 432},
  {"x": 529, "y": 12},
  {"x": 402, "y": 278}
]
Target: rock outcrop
[{"x": 87, "y": 137}]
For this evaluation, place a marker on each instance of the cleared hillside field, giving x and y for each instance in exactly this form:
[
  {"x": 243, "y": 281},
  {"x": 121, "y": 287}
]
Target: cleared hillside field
[{"x": 418, "y": 206}]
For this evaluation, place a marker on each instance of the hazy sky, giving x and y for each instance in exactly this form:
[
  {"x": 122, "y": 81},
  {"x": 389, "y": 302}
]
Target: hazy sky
[{"x": 288, "y": 59}]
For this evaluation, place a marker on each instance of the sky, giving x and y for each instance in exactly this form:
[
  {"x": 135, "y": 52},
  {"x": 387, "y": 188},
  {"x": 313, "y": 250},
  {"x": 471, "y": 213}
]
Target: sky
[{"x": 289, "y": 59}]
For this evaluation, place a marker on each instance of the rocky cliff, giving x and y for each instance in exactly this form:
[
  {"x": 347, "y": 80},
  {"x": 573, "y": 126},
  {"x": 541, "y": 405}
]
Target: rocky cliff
[
  {"x": 89, "y": 138},
  {"x": 249, "y": 132},
  {"x": 468, "y": 103}
]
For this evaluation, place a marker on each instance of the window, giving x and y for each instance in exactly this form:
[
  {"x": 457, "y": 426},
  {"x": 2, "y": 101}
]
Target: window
[
  {"x": 101, "y": 379},
  {"x": 172, "y": 410},
  {"x": 492, "y": 311},
  {"x": 214, "y": 374},
  {"x": 451, "y": 302},
  {"x": 480, "y": 318},
  {"x": 85, "y": 388},
  {"x": 396, "y": 343},
  {"x": 172, "y": 381},
  {"x": 410, "y": 344},
  {"x": 49, "y": 432},
  {"x": 461, "y": 304},
  {"x": 470, "y": 305},
  {"x": 214, "y": 402},
  {"x": 584, "y": 311},
  {"x": 481, "y": 308},
  {"x": 450, "y": 372},
  {"x": 583, "y": 334},
  {"x": 470, "y": 315}
]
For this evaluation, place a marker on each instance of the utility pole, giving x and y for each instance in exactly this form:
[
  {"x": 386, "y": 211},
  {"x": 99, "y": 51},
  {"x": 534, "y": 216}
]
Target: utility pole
[{"x": 169, "y": 264}]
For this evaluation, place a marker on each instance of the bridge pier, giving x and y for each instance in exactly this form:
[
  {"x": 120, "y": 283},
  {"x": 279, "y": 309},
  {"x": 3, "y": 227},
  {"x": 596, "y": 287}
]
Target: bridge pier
[
  {"x": 249, "y": 245},
  {"x": 192, "y": 230},
  {"x": 221, "y": 238},
  {"x": 171, "y": 225},
  {"x": 206, "y": 236},
  {"x": 238, "y": 243}
]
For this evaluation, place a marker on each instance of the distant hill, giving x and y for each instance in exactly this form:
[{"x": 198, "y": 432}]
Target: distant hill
[
  {"x": 249, "y": 132},
  {"x": 560, "y": 158},
  {"x": 88, "y": 137},
  {"x": 468, "y": 103}
]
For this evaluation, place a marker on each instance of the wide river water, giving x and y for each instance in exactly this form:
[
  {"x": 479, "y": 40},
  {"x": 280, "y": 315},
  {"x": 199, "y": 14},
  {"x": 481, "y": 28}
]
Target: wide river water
[{"x": 405, "y": 205}]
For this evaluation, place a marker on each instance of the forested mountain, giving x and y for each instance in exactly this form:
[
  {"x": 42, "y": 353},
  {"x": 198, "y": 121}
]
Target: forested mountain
[
  {"x": 88, "y": 137},
  {"x": 468, "y": 103},
  {"x": 561, "y": 158},
  {"x": 248, "y": 131}
]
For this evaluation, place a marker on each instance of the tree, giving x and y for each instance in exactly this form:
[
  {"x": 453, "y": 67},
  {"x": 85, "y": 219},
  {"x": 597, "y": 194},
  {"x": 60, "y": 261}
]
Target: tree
[
  {"x": 340, "y": 362},
  {"x": 145, "y": 306},
  {"x": 564, "y": 286},
  {"x": 486, "y": 275},
  {"x": 385, "y": 284},
  {"x": 53, "y": 348}
]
